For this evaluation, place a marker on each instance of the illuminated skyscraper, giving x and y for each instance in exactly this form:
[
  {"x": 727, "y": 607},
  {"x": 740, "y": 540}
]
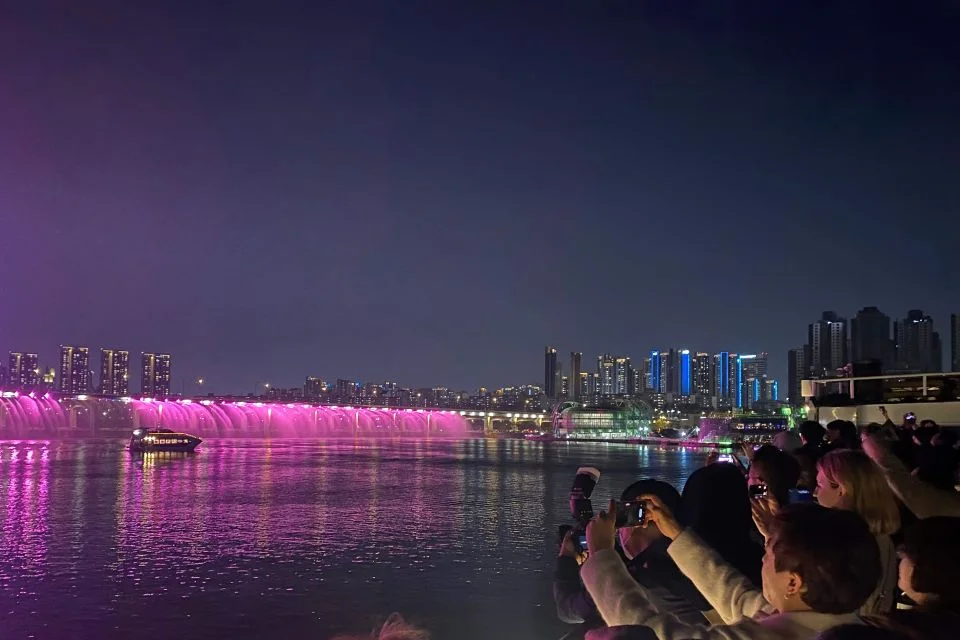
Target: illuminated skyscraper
[
  {"x": 702, "y": 375},
  {"x": 575, "y": 369},
  {"x": 155, "y": 374},
  {"x": 725, "y": 377},
  {"x": 74, "y": 369},
  {"x": 114, "y": 372},
  {"x": 686, "y": 373},
  {"x": 622, "y": 377},
  {"x": 606, "y": 374},
  {"x": 585, "y": 386},
  {"x": 827, "y": 344},
  {"x": 23, "y": 371},
  {"x": 657, "y": 382},
  {"x": 550, "y": 372}
]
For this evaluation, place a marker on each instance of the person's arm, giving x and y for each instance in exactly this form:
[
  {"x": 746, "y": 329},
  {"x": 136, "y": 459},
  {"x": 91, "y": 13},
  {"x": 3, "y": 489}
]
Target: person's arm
[
  {"x": 623, "y": 602},
  {"x": 574, "y": 604},
  {"x": 923, "y": 499},
  {"x": 731, "y": 594}
]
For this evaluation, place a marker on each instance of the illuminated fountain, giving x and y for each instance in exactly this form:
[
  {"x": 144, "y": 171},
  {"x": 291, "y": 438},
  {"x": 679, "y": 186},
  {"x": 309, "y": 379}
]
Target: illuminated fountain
[{"x": 26, "y": 416}]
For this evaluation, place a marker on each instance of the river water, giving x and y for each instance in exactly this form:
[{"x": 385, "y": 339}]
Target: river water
[{"x": 294, "y": 539}]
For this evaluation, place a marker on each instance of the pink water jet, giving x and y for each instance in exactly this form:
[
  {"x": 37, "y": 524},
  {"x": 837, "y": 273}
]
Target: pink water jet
[{"x": 27, "y": 416}]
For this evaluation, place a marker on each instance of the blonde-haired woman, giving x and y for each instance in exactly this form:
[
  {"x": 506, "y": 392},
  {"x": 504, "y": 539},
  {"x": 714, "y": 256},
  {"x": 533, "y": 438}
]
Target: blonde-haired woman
[{"x": 848, "y": 479}]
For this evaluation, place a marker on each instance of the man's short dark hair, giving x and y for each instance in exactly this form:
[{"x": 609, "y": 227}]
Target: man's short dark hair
[
  {"x": 832, "y": 550},
  {"x": 666, "y": 492},
  {"x": 932, "y": 545},
  {"x": 812, "y": 431}
]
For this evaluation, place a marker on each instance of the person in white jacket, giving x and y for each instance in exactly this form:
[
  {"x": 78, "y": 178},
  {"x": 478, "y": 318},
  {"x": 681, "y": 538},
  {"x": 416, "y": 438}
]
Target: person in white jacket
[{"x": 820, "y": 565}]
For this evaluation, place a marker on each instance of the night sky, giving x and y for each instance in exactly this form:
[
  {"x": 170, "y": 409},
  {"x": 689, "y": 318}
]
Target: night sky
[{"x": 430, "y": 192}]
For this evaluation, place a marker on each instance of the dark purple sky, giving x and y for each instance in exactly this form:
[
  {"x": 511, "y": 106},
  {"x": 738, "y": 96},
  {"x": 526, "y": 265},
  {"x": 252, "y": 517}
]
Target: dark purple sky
[{"x": 421, "y": 192}]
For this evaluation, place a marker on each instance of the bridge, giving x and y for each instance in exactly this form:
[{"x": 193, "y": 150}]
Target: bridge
[{"x": 38, "y": 415}]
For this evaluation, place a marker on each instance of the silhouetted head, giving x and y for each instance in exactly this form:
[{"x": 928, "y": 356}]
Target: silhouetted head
[
  {"x": 716, "y": 507},
  {"x": 776, "y": 469},
  {"x": 930, "y": 562},
  {"x": 843, "y": 433},
  {"x": 811, "y": 432},
  {"x": 635, "y": 540}
]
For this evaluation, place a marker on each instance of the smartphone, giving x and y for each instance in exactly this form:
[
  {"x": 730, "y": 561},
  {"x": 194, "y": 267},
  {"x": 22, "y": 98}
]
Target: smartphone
[
  {"x": 630, "y": 514},
  {"x": 757, "y": 491},
  {"x": 725, "y": 457},
  {"x": 583, "y": 541},
  {"x": 800, "y": 495}
]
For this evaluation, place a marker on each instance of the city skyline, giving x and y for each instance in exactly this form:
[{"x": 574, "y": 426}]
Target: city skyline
[
  {"x": 783, "y": 371},
  {"x": 290, "y": 189}
]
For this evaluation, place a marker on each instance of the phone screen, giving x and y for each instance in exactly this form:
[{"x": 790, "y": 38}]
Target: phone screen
[
  {"x": 800, "y": 495},
  {"x": 583, "y": 541},
  {"x": 725, "y": 457}
]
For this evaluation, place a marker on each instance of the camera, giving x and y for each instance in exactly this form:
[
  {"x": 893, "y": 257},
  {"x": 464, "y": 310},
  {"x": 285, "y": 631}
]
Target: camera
[
  {"x": 757, "y": 491},
  {"x": 581, "y": 508}
]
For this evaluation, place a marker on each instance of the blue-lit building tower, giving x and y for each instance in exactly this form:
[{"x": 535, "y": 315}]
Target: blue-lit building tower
[
  {"x": 685, "y": 372},
  {"x": 656, "y": 369}
]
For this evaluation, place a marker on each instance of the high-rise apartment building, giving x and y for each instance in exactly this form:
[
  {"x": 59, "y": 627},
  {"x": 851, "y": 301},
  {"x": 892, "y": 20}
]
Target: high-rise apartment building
[
  {"x": 702, "y": 375},
  {"x": 918, "y": 345},
  {"x": 24, "y": 370},
  {"x": 606, "y": 373},
  {"x": 622, "y": 377},
  {"x": 74, "y": 369},
  {"x": 314, "y": 388},
  {"x": 797, "y": 370},
  {"x": 750, "y": 370},
  {"x": 725, "y": 376},
  {"x": 954, "y": 342},
  {"x": 685, "y": 373},
  {"x": 114, "y": 372},
  {"x": 585, "y": 386},
  {"x": 657, "y": 376},
  {"x": 551, "y": 372},
  {"x": 870, "y": 337},
  {"x": 155, "y": 374},
  {"x": 827, "y": 342},
  {"x": 576, "y": 363}
]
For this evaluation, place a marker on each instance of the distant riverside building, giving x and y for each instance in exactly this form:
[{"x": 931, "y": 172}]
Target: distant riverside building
[
  {"x": 827, "y": 343},
  {"x": 155, "y": 374},
  {"x": 23, "y": 370},
  {"x": 955, "y": 342},
  {"x": 870, "y": 337},
  {"x": 702, "y": 375},
  {"x": 314, "y": 388},
  {"x": 686, "y": 373},
  {"x": 114, "y": 372},
  {"x": 656, "y": 375},
  {"x": 576, "y": 363},
  {"x": 725, "y": 377},
  {"x": 74, "y": 369},
  {"x": 622, "y": 377},
  {"x": 797, "y": 370},
  {"x": 550, "y": 372},
  {"x": 918, "y": 345}
]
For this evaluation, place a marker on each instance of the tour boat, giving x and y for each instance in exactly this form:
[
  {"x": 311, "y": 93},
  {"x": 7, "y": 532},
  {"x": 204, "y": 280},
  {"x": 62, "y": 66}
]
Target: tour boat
[{"x": 148, "y": 440}]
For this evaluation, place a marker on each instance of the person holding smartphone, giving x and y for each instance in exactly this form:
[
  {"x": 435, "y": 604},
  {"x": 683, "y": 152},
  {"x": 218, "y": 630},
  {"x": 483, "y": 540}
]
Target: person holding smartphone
[{"x": 644, "y": 550}]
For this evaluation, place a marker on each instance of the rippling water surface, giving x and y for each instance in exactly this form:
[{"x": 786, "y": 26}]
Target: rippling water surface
[{"x": 294, "y": 539}]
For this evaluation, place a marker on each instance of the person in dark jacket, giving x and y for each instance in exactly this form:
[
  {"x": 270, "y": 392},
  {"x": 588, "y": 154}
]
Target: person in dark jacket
[
  {"x": 716, "y": 506},
  {"x": 645, "y": 550}
]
